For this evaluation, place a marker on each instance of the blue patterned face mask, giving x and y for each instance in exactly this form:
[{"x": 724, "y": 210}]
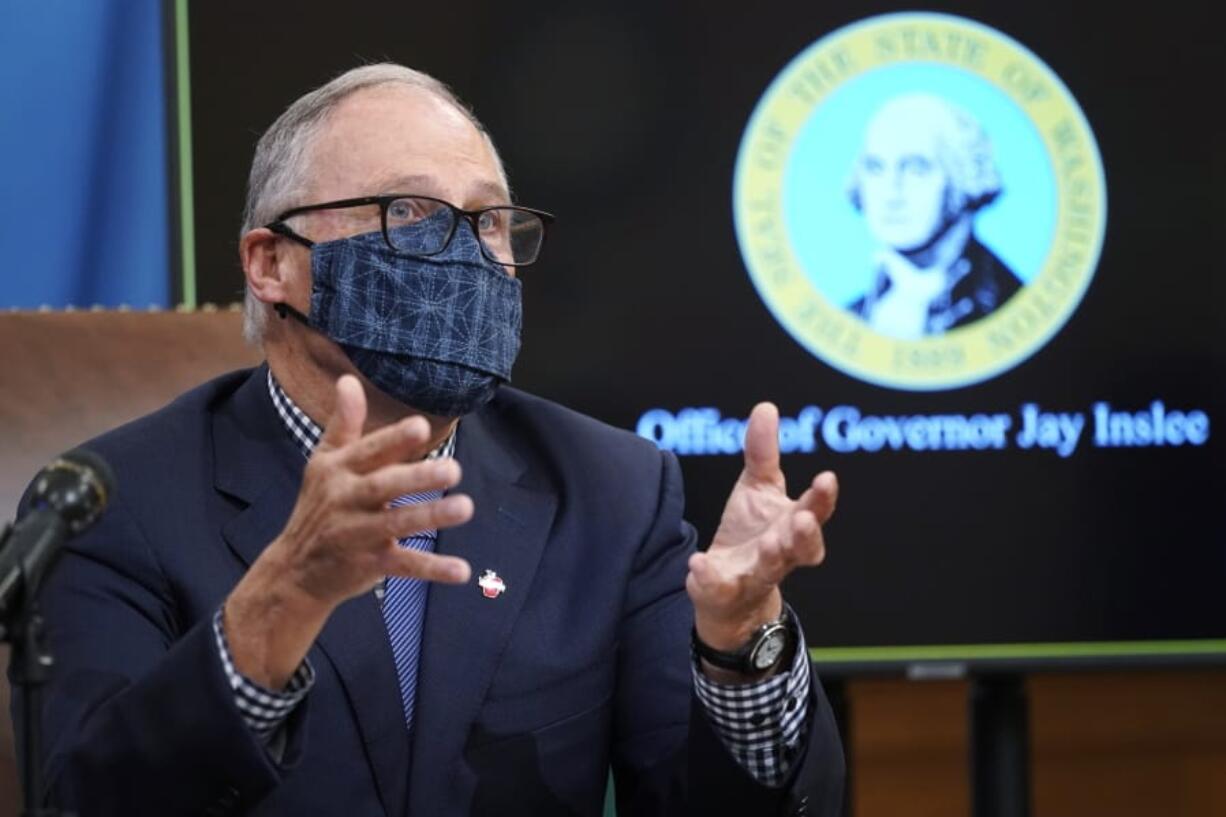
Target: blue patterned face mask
[{"x": 438, "y": 333}]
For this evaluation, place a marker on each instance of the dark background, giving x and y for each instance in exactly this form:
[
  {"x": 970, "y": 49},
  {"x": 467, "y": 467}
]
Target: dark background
[{"x": 624, "y": 119}]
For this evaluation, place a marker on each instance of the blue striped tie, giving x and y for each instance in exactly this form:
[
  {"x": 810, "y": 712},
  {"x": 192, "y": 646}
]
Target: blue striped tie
[{"x": 404, "y": 609}]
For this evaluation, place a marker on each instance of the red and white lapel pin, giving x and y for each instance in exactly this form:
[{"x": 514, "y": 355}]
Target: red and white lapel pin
[{"x": 492, "y": 586}]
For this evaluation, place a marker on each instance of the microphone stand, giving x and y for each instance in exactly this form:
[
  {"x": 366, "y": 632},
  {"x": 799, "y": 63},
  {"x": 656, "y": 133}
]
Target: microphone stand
[{"x": 31, "y": 666}]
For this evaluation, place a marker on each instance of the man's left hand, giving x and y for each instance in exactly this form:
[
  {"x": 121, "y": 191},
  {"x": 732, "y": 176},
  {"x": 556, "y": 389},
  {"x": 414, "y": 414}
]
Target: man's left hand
[{"x": 762, "y": 537}]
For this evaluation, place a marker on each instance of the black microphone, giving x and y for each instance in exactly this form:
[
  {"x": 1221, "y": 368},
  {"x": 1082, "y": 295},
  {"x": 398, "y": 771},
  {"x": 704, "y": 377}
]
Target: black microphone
[{"x": 65, "y": 498}]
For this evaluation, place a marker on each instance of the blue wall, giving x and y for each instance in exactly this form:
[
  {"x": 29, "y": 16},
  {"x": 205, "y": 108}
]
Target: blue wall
[{"x": 83, "y": 154}]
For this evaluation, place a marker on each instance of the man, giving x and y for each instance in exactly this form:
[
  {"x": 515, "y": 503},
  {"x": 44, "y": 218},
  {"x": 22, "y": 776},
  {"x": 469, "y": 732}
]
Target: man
[
  {"x": 279, "y": 612},
  {"x": 924, "y": 172}
]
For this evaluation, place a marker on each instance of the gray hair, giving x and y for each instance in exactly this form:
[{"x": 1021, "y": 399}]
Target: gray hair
[
  {"x": 962, "y": 145},
  {"x": 280, "y": 168}
]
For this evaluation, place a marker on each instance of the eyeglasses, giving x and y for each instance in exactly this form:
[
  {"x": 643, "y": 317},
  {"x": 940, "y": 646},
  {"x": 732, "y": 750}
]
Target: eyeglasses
[{"x": 422, "y": 226}]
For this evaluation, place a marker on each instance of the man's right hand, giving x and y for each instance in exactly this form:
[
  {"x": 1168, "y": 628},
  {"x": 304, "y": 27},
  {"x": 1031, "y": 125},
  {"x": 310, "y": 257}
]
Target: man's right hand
[{"x": 340, "y": 540}]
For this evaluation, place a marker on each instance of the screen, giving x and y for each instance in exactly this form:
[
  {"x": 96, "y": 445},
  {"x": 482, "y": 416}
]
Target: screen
[{"x": 971, "y": 254}]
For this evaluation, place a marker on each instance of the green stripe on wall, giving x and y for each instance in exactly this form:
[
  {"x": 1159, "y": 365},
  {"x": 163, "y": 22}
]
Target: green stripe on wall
[
  {"x": 971, "y": 652},
  {"x": 183, "y": 96}
]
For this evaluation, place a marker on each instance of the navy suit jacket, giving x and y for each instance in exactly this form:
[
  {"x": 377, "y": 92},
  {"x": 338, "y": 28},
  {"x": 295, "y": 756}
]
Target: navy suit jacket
[{"x": 524, "y": 702}]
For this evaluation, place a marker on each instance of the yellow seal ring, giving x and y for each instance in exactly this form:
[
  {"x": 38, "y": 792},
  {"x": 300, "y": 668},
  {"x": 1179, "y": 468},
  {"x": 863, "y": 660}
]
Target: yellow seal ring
[{"x": 978, "y": 350}]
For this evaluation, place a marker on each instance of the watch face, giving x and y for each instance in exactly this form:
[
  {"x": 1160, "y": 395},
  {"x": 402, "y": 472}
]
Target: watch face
[{"x": 769, "y": 650}]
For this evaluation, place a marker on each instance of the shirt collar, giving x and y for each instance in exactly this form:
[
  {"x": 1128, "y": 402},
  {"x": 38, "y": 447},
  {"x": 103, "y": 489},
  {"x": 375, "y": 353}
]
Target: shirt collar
[{"x": 305, "y": 432}]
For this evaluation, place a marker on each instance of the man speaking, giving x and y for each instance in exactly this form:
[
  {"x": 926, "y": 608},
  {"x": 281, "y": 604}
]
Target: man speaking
[{"x": 365, "y": 578}]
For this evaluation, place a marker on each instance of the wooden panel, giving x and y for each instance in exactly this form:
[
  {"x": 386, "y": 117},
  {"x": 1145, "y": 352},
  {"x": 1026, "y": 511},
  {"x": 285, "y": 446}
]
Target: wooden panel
[
  {"x": 1143, "y": 743},
  {"x": 68, "y": 376},
  {"x": 1122, "y": 744},
  {"x": 908, "y": 748}
]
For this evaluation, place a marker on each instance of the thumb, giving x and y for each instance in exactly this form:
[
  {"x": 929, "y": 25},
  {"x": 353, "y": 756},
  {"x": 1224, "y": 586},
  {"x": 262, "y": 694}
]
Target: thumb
[
  {"x": 762, "y": 444},
  {"x": 348, "y": 414}
]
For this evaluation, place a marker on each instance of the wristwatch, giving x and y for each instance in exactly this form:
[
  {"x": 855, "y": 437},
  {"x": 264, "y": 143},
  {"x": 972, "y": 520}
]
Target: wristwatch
[{"x": 763, "y": 651}]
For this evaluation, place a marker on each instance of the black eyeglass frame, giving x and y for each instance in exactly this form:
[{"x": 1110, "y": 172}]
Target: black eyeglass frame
[{"x": 279, "y": 226}]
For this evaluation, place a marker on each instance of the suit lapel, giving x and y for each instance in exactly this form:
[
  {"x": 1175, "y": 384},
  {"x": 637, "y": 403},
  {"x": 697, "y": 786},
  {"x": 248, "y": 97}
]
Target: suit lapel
[
  {"x": 257, "y": 463},
  {"x": 355, "y": 641},
  {"x": 465, "y": 632}
]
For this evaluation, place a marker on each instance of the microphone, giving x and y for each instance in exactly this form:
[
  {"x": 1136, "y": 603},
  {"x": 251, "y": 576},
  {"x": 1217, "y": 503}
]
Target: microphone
[{"x": 65, "y": 498}]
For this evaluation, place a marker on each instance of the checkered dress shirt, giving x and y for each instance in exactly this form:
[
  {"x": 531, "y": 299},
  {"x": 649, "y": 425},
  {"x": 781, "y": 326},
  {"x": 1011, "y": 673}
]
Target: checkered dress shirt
[{"x": 762, "y": 724}]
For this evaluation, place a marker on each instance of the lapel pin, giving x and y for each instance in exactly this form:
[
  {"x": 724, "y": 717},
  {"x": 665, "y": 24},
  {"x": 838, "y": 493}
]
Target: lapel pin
[{"x": 491, "y": 585}]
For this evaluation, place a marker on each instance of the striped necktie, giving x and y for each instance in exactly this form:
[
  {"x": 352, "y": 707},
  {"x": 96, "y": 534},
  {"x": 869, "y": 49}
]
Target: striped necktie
[{"x": 404, "y": 610}]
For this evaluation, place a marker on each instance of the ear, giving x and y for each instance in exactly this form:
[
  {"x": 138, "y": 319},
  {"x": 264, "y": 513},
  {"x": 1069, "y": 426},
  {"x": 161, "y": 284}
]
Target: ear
[
  {"x": 956, "y": 201},
  {"x": 269, "y": 265}
]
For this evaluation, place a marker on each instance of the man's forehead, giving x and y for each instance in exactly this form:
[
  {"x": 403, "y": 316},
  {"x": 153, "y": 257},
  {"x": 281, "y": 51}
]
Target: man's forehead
[
  {"x": 423, "y": 184},
  {"x": 887, "y": 135},
  {"x": 397, "y": 138}
]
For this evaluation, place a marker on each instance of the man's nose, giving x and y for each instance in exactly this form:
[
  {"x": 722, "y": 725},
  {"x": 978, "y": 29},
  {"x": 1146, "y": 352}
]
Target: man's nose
[
  {"x": 897, "y": 179},
  {"x": 466, "y": 231}
]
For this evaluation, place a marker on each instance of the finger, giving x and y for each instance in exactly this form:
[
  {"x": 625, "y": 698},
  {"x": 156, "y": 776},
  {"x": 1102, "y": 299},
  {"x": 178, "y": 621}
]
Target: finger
[
  {"x": 705, "y": 581},
  {"x": 404, "y": 440},
  {"x": 805, "y": 544},
  {"x": 703, "y": 572},
  {"x": 410, "y": 519},
  {"x": 821, "y": 497},
  {"x": 698, "y": 565},
  {"x": 762, "y": 445},
  {"x": 432, "y": 567},
  {"x": 390, "y": 482},
  {"x": 348, "y": 415}
]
